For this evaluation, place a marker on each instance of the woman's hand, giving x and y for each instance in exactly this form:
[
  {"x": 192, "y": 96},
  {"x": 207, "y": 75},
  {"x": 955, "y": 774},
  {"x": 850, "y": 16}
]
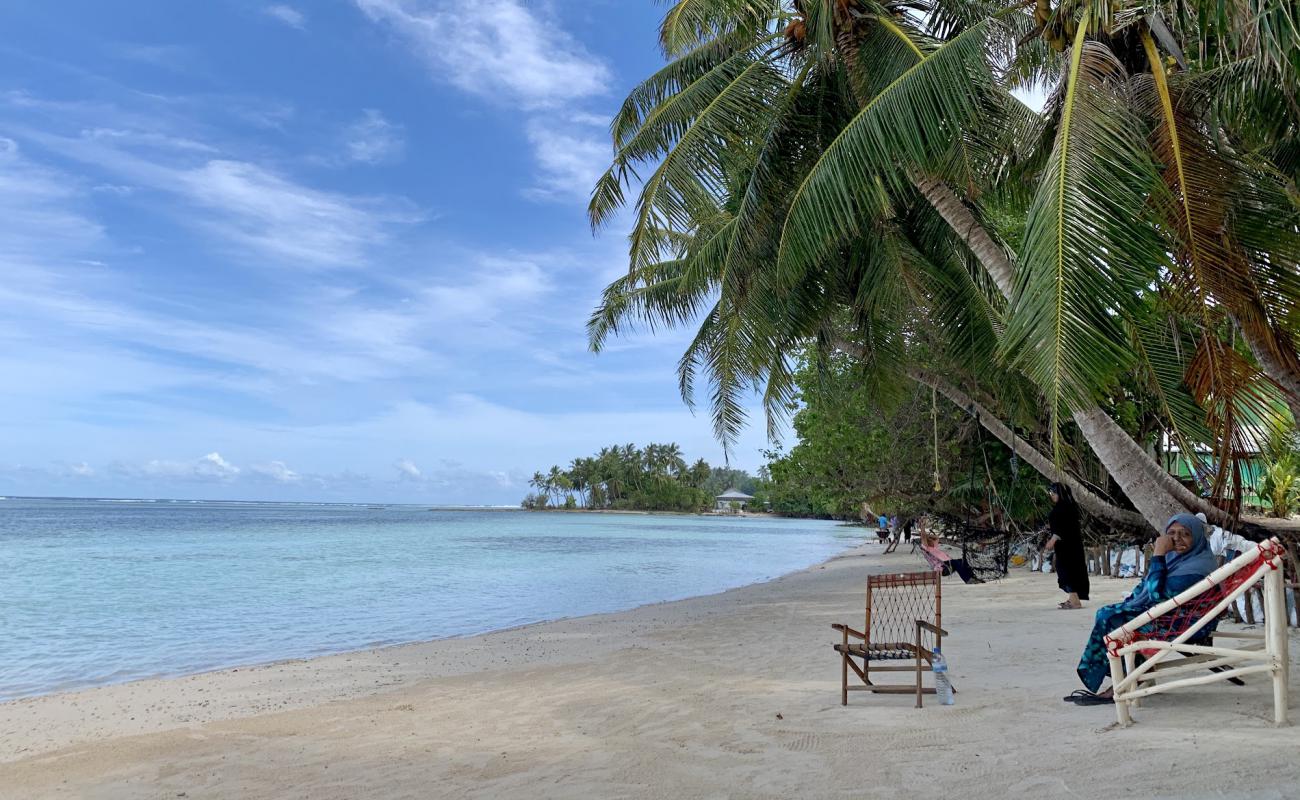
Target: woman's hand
[{"x": 1163, "y": 544}]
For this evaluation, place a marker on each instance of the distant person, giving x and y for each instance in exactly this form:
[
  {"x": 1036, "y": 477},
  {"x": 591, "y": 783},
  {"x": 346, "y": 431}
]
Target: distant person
[
  {"x": 882, "y": 528},
  {"x": 907, "y": 530},
  {"x": 1066, "y": 541},
  {"x": 1181, "y": 558},
  {"x": 943, "y": 562}
]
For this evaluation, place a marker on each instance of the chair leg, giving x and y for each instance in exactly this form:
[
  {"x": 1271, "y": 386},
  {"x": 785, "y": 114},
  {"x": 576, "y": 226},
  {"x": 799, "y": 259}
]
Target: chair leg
[
  {"x": 1130, "y": 664},
  {"x": 844, "y": 679},
  {"x": 1121, "y": 706},
  {"x": 919, "y": 693}
]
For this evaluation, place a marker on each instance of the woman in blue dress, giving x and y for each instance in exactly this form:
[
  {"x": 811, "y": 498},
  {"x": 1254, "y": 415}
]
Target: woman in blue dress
[{"x": 1181, "y": 558}]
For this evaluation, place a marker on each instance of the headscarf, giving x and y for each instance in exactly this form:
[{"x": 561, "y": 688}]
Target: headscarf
[
  {"x": 1064, "y": 516},
  {"x": 1197, "y": 562},
  {"x": 1064, "y": 497}
]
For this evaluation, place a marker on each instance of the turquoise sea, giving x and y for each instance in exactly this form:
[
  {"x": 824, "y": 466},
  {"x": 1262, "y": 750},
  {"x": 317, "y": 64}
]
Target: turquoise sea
[{"x": 102, "y": 591}]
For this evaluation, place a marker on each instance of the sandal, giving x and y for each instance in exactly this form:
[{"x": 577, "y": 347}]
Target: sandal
[
  {"x": 1065, "y": 606},
  {"x": 1076, "y": 693},
  {"x": 1091, "y": 699}
]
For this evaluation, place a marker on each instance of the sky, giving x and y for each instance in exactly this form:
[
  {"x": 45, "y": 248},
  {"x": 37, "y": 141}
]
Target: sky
[{"x": 332, "y": 250}]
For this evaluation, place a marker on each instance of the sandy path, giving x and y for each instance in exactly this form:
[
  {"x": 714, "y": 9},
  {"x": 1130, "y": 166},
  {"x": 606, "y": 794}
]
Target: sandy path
[{"x": 729, "y": 696}]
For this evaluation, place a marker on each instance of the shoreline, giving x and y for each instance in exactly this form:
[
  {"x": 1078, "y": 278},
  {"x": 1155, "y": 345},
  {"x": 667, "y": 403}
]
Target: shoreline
[
  {"x": 734, "y": 694},
  {"x": 380, "y": 649}
]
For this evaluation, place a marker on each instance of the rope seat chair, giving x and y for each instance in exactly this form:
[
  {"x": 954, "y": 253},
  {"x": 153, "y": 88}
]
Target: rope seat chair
[
  {"x": 904, "y": 614},
  {"x": 1143, "y": 650}
]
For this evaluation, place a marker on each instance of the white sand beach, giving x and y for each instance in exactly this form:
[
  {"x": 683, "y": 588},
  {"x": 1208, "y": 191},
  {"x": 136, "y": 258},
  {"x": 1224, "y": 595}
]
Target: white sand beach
[{"x": 729, "y": 696}]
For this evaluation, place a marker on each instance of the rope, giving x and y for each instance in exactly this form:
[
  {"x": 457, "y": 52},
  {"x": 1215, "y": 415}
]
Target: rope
[{"x": 934, "y": 417}]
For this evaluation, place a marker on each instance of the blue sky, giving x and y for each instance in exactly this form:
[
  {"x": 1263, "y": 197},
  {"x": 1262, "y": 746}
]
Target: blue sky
[{"x": 329, "y": 250}]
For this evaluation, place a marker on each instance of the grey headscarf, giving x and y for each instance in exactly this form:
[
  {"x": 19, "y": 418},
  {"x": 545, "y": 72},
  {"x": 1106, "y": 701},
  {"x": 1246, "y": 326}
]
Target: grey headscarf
[{"x": 1198, "y": 561}]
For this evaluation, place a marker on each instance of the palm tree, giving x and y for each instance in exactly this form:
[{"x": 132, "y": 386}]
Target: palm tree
[
  {"x": 580, "y": 476},
  {"x": 543, "y": 486},
  {"x": 806, "y": 150},
  {"x": 555, "y": 483}
]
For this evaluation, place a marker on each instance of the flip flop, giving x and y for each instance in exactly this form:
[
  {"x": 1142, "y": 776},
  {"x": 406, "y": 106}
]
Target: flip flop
[
  {"x": 1068, "y": 607},
  {"x": 1090, "y": 699},
  {"x": 1076, "y": 693}
]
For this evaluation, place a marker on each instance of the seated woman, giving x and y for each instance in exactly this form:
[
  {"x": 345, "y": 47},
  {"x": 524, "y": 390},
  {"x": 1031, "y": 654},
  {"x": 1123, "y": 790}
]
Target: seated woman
[
  {"x": 940, "y": 560},
  {"x": 1181, "y": 558}
]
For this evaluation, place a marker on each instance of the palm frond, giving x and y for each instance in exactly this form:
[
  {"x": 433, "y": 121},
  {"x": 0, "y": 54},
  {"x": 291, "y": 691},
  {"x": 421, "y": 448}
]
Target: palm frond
[
  {"x": 690, "y": 23},
  {"x": 1084, "y": 261},
  {"x": 909, "y": 124}
]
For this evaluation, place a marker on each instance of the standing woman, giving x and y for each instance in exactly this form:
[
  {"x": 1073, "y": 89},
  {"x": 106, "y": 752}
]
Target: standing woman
[{"x": 1067, "y": 542}]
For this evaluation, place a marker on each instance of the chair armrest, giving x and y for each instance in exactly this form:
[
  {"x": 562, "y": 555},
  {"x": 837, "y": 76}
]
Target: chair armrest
[
  {"x": 846, "y": 629},
  {"x": 936, "y": 630}
]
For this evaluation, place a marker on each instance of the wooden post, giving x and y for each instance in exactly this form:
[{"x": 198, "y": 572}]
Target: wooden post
[
  {"x": 1275, "y": 639},
  {"x": 844, "y": 671},
  {"x": 1121, "y": 706},
  {"x": 866, "y": 631},
  {"x": 1105, "y": 559},
  {"x": 918, "y": 668},
  {"x": 1291, "y": 550},
  {"x": 1130, "y": 663}
]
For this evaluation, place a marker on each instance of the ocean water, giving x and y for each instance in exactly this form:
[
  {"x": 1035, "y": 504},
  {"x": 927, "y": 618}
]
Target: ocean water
[{"x": 95, "y": 592}]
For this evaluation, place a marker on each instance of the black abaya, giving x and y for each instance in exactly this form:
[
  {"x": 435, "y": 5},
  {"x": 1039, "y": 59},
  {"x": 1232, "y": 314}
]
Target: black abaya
[{"x": 1071, "y": 564}]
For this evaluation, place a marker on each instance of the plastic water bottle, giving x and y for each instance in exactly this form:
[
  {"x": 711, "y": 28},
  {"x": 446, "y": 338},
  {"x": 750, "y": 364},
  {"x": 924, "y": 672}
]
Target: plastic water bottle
[{"x": 942, "y": 686}]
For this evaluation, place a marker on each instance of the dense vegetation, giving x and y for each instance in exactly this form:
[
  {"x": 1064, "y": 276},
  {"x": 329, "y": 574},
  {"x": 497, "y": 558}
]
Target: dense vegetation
[
  {"x": 864, "y": 449},
  {"x": 653, "y": 478},
  {"x": 1109, "y": 286}
]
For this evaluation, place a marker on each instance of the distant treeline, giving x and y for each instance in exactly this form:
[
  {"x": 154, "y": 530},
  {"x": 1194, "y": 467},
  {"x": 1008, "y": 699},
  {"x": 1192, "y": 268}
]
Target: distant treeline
[{"x": 626, "y": 477}]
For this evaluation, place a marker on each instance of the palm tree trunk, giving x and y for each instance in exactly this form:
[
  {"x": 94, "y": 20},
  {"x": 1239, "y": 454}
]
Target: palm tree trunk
[
  {"x": 1089, "y": 501},
  {"x": 1131, "y": 467},
  {"x": 962, "y": 220},
  {"x": 1156, "y": 493}
]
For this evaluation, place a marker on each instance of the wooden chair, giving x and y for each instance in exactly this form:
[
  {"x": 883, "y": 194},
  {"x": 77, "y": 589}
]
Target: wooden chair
[
  {"x": 1173, "y": 636},
  {"x": 904, "y": 614}
]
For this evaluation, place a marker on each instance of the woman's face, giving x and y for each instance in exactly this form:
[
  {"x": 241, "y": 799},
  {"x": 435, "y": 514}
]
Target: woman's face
[
  {"x": 1056, "y": 498},
  {"x": 1181, "y": 536}
]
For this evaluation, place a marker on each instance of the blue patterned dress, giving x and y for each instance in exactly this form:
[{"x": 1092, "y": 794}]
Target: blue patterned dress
[{"x": 1154, "y": 589}]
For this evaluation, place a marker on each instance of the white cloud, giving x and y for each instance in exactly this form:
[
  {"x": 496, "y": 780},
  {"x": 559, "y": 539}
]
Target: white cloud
[
  {"x": 170, "y": 56},
  {"x": 571, "y": 157},
  {"x": 276, "y": 470},
  {"x": 151, "y": 140},
  {"x": 211, "y": 467},
  {"x": 288, "y": 15},
  {"x": 79, "y": 469},
  {"x": 40, "y": 214},
  {"x": 247, "y": 205},
  {"x": 286, "y": 220},
  {"x": 374, "y": 140},
  {"x": 501, "y": 50},
  {"x": 407, "y": 469}
]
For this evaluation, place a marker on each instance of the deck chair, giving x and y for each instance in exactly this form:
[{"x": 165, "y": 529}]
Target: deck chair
[
  {"x": 893, "y": 543},
  {"x": 1181, "y": 626},
  {"x": 902, "y": 625}
]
